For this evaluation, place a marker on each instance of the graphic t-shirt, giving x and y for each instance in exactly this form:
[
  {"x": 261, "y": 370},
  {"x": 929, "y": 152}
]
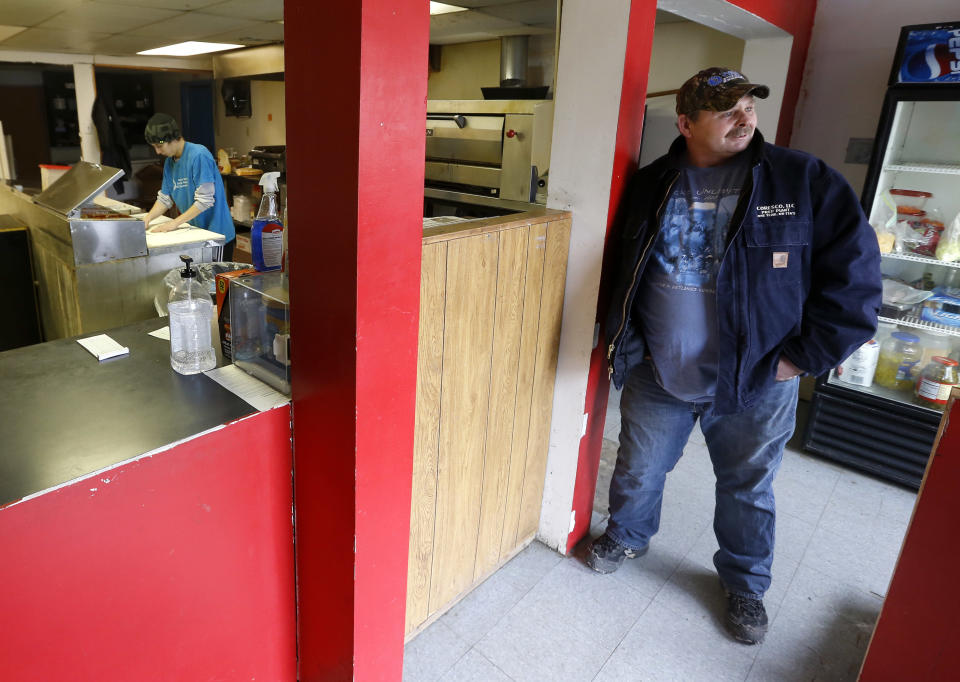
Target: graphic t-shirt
[
  {"x": 182, "y": 176},
  {"x": 676, "y": 302}
]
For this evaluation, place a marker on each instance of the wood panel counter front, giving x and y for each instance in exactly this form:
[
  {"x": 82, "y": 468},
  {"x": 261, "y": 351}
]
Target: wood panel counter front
[{"x": 491, "y": 299}]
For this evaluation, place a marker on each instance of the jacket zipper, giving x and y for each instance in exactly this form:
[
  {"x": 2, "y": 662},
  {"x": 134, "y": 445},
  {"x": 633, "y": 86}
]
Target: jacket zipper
[{"x": 633, "y": 282}]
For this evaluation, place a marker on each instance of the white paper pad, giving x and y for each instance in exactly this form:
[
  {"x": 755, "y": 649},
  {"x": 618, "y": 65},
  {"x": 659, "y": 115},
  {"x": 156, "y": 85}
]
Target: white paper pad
[
  {"x": 162, "y": 333},
  {"x": 248, "y": 388},
  {"x": 103, "y": 347}
]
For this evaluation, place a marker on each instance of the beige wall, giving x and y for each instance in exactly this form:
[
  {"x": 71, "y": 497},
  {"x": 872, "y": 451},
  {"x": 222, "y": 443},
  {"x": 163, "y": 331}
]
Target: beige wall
[
  {"x": 267, "y": 125},
  {"x": 466, "y": 67},
  {"x": 681, "y": 49},
  {"x": 845, "y": 77}
]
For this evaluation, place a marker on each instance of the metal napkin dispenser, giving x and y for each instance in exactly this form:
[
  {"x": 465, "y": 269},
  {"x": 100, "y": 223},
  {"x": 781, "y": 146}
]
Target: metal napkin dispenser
[
  {"x": 491, "y": 148},
  {"x": 97, "y": 233}
]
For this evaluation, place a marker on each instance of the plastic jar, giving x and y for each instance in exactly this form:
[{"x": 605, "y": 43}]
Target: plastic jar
[
  {"x": 899, "y": 355},
  {"x": 935, "y": 382},
  {"x": 909, "y": 201},
  {"x": 933, "y": 343}
]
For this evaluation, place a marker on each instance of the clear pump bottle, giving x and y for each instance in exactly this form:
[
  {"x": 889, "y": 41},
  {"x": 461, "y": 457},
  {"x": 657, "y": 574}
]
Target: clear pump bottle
[{"x": 191, "y": 321}]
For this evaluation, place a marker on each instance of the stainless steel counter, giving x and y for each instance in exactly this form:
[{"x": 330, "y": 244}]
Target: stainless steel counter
[{"x": 97, "y": 275}]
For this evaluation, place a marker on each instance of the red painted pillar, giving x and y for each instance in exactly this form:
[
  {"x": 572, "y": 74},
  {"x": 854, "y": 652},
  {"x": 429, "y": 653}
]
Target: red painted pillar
[
  {"x": 356, "y": 82},
  {"x": 636, "y": 68}
]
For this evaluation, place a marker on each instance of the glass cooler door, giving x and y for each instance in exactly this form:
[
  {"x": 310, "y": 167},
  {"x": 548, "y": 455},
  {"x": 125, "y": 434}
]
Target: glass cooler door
[{"x": 912, "y": 198}]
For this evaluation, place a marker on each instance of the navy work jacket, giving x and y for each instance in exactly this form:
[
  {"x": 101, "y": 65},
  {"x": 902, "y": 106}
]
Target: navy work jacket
[{"x": 800, "y": 276}]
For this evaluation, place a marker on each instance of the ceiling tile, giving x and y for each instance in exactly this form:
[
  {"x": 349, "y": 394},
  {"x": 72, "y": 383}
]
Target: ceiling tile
[
  {"x": 124, "y": 45},
  {"x": 32, "y": 12},
  {"x": 191, "y": 26},
  {"x": 471, "y": 21},
  {"x": 7, "y": 31},
  {"x": 107, "y": 17},
  {"x": 181, "y": 5},
  {"x": 51, "y": 40},
  {"x": 262, "y": 10},
  {"x": 266, "y": 32},
  {"x": 532, "y": 12}
]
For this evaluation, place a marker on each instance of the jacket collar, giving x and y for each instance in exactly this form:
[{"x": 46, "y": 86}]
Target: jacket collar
[{"x": 678, "y": 151}]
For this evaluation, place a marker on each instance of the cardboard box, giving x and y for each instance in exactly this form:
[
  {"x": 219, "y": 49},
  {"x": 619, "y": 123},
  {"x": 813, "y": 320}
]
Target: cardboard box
[{"x": 223, "y": 307}]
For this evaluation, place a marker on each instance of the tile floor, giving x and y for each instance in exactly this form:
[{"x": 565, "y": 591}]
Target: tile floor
[{"x": 548, "y": 617}]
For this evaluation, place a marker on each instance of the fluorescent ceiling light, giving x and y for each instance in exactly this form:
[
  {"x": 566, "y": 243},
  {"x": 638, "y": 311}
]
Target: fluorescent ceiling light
[
  {"x": 189, "y": 48},
  {"x": 440, "y": 8}
]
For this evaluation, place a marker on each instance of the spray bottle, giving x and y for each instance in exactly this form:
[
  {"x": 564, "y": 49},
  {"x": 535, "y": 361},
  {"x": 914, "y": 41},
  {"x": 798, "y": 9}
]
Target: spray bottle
[{"x": 266, "y": 237}]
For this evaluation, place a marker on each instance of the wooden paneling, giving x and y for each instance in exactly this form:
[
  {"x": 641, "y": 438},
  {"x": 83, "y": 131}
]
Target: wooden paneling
[
  {"x": 548, "y": 346},
  {"x": 468, "y": 344},
  {"x": 426, "y": 432},
  {"x": 503, "y": 396},
  {"x": 490, "y": 307},
  {"x": 537, "y": 238}
]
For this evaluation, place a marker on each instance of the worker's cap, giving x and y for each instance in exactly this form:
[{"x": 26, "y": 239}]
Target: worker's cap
[
  {"x": 161, "y": 128},
  {"x": 716, "y": 89}
]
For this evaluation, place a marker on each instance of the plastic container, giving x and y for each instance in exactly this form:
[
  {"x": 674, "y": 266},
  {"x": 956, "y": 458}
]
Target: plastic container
[
  {"x": 859, "y": 368},
  {"x": 899, "y": 355},
  {"x": 191, "y": 321},
  {"x": 933, "y": 343},
  {"x": 266, "y": 237},
  {"x": 936, "y": 381},
  {"x": 910, "y": 201}
]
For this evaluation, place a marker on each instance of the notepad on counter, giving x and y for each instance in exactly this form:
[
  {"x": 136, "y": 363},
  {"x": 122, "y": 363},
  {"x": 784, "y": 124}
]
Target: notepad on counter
[
  {"x": 102, "y": 347},
  {"x": 248, "y": 388},
  {"x": 162, "y": 333}
]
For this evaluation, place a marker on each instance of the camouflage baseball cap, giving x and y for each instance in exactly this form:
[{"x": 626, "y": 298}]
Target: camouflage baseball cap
[
  {"x": 716, "y": 89},
  {"x": 161, "y": 128}
]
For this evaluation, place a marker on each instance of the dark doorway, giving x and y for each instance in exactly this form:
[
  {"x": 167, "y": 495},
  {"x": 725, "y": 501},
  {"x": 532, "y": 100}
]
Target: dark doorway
[
  {"x": 196, "y": 113},
  {"x": 23, "y": 112}
]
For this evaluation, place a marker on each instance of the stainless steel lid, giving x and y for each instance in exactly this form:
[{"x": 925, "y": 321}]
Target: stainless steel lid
[{"x": 76, "y": 187}]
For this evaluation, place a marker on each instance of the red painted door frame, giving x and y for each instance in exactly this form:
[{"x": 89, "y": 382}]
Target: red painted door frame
[
  {"x": 794, "y": 17},
  {"x": 356, "y": 84}
]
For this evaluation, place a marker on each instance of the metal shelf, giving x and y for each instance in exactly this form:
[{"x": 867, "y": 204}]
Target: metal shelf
[
  {"x": 920, "y": 259},
  {"x": 940, "y": 168},
  {"x": 917, "y": 323}
]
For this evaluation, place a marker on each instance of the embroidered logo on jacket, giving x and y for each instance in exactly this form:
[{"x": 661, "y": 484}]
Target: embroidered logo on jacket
[{"x": 773, "y": 210}]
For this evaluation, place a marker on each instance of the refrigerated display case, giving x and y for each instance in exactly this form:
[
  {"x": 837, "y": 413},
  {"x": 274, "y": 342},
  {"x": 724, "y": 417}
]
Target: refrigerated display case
[{"x": 911, "y": 196}]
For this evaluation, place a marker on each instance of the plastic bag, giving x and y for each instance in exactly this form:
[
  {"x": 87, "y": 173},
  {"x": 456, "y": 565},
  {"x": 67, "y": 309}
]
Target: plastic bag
[
  {"x": 206, "y": 275},
  {"x": 948, "y": 250},
  {"x": 886, "y": 223}
]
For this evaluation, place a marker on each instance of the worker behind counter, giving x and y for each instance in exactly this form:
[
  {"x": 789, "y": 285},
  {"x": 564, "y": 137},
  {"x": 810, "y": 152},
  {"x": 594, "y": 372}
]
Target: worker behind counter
[{"x": 191, "y": 180}]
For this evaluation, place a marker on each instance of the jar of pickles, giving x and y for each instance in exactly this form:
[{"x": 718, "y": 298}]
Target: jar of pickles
[
  {"x": 935, "y": 382},
  {"x": 896, "y": 366}
]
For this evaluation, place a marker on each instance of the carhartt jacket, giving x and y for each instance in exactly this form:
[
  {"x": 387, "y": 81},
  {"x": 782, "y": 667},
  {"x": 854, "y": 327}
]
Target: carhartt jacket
[{"x": 800, "y": 276}]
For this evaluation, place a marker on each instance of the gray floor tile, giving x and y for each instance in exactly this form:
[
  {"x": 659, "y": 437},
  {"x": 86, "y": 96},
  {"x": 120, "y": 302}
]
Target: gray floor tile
[
  {"x": 565, "y": 627},
  {"x": 473, "y": 667},
  {"x": 867, "y": 561},
  {"x": 479, "y": 611},
  {"x": 432, "y": 653},
  {"x": 664, "y": 645},
  {"x": 608, "y": 459},
  {"x": 821, "y": 633},
  {"x": 804, "y": 486}
]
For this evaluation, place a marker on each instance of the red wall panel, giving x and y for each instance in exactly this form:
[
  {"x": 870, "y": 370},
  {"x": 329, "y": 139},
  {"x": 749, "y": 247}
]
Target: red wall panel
[
  {"x": 177, "y": 566},
  {"x": 916, "y": 635}
]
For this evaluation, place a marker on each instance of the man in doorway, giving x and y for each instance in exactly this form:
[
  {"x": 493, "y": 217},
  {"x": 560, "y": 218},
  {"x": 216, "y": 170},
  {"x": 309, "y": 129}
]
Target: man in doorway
[
  {"x": 742, "y": 266},
  {"x": 191, "y": 180}
]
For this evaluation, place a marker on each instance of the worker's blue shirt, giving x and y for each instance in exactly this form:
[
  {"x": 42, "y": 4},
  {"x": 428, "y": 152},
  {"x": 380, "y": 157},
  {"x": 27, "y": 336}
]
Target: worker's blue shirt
[{"x": 182, "y": 176}]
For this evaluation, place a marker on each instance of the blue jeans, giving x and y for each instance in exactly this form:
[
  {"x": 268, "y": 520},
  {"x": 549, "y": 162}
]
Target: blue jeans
[{"x": 746, "y": 450}]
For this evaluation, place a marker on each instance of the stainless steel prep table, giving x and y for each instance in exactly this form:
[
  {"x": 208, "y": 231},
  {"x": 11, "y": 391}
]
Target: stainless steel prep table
[
  {"x": 63, "y": 415},
  {"x": 97, "y": 273}
]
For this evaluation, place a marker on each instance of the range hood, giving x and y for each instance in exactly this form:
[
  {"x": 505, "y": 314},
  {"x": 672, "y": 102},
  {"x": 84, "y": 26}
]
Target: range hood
[
  {"x": 513, "y": 72},
  {"x": 264, "y": 62}
]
